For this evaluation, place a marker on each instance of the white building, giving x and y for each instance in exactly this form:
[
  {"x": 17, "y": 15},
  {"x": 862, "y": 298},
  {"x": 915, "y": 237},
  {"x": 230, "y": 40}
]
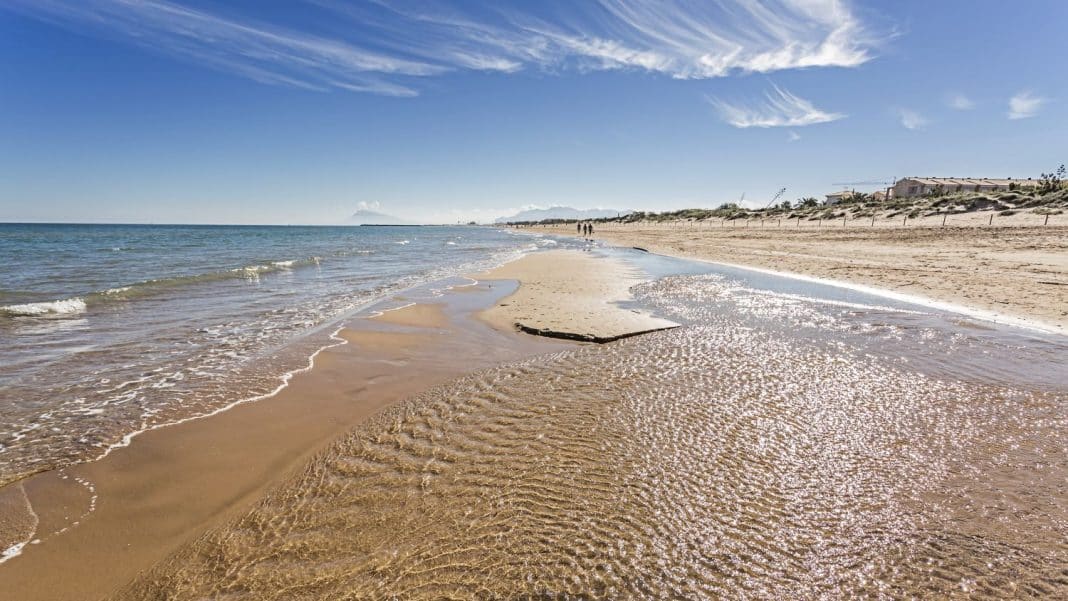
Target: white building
[{"x": 837, "y": 197}]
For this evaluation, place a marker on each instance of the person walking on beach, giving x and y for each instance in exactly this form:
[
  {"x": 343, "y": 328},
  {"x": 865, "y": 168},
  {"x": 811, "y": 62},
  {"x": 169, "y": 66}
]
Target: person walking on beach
[
  {"x": 591, "y": 230},
  {"x": 578, "y": 227}
]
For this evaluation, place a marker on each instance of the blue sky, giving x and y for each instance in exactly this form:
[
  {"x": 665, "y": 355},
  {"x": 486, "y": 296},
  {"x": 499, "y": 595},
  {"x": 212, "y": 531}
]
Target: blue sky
[{"x": 302, "y": 111}]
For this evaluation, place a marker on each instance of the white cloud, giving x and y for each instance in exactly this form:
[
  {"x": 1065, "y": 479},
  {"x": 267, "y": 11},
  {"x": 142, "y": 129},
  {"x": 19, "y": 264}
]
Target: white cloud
[
  {"x": 260, "y": 52},
  {"x": 363, "y": 205},
  {"x": 381, "y": 46},
  {"x": 960, "y": 102},
  {"x": 1025, "y": 104},
  {"x": 779, "y": 108},
  {"x": 793, "y": 136},
  {"x": 912, "y": 120}
]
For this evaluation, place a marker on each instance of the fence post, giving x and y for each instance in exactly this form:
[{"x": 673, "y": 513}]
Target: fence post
[
  {"x": 944, "y": 215},
  {"x": 904, "y": 221},
  {"x": 873, "y": 220},
  {"x": 991, "y": 222},
  {"x": 1046, "y": 222}
]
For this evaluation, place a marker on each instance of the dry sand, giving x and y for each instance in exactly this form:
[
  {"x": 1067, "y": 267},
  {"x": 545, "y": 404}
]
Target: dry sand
[
  {"x": 1014, "y": 270},
  {"x": 570, "y": 294}
]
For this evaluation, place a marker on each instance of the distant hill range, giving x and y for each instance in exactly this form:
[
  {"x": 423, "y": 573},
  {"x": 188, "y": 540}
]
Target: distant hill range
[
  {"x": 561, "y": 213},
  {"x": 366, "y": 217}
]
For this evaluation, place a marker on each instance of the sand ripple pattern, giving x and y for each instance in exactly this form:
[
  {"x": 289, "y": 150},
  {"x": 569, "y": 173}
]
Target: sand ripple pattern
[{"x": 712, "y": 461}]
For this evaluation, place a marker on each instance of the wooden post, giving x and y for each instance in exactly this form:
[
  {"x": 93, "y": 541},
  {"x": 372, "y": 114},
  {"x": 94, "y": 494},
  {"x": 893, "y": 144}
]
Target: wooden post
[
  {"x": 819, "y": 223},
  {"x": 843, "y": 220},
  {"x": 991, "y": 222},
  {"x": 780, "y": 221},
  {"x": 944, "y": 215},
  {"x": 904, "y": 221},
  {"x": 873, "y": 220},
  {"x": 798, "y": 223},
  {"x": 1047, "y": 220}
]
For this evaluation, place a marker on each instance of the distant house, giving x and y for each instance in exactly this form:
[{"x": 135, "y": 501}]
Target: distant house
[
  {"x": 837, "y": 197},
  {"x": 910, "y": 187}
]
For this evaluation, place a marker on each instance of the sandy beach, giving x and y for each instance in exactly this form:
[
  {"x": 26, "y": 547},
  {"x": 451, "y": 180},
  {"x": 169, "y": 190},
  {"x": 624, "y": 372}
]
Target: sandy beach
[
  {"x": 1018, "y": 268},
  {"x": 438, "y": 450},
  {"x": 97, "y": 525},
  {"x": 793, "y": 447},
  {"x": 101, "y": 523}
]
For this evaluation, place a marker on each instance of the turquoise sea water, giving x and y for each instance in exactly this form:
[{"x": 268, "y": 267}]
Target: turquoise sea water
[{"x": 110, "y": 329}]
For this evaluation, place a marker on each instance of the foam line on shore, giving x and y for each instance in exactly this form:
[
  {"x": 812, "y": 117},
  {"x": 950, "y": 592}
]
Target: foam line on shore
[
  {"x": 286, "y": 377},
  {"x": 381, "y": 312}
]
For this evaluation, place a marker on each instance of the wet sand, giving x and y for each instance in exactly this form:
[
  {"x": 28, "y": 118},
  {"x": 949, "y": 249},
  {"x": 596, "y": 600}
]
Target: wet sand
[
  {"x": 1015, "y": 270},
  {"x": 103, "y": 522}
]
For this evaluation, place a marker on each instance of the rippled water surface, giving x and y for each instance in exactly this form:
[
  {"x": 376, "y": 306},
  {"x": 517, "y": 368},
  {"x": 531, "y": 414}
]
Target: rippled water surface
[
  {"x": 110, "y": 329},
  {"x": 778, "y": 445}
]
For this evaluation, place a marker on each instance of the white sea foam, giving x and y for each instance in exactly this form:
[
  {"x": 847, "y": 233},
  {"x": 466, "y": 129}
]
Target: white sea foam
[
  {"x": 286, "y": 377},
  {"x": 68, "y": 306}
]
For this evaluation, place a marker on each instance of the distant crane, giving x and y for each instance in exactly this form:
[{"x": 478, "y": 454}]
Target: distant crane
[
  {"x": 777, "y": 196},
  {"x": 871, "y": 182}
]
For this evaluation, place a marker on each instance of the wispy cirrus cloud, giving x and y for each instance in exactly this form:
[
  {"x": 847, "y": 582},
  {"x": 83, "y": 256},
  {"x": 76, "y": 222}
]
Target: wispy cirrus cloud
[
  {"x": 1024, "y": 105},
  {"x": 264, "y": 53},
  {"x": 912, "y": 120},
  {"x": 384, "y": 47},
  {"x": 778, "y": 108}
]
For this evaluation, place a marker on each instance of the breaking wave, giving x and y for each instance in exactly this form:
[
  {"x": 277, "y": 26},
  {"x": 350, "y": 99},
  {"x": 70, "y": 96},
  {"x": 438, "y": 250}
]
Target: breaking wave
[{"x": 69, "y": 306}]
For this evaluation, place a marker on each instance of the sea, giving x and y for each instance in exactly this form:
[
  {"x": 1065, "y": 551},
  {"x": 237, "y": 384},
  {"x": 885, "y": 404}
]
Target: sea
[{"x": 109, "y": 330}]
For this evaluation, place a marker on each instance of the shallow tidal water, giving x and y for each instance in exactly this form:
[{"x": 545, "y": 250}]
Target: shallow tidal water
[
  {"x": 110, "y": 330},
  {"x": 778, "y": 445}
]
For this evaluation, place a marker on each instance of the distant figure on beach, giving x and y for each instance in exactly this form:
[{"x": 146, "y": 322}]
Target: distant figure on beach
[
  {"x": 578, "y": 227},
  {"x": 591, "y": 229}
]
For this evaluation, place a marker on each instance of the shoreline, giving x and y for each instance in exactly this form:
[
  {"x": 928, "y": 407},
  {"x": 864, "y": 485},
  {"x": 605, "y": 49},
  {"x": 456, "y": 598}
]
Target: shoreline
[
  {"x": 161, "y": 487},
  {"x": 889, "y": 262}
]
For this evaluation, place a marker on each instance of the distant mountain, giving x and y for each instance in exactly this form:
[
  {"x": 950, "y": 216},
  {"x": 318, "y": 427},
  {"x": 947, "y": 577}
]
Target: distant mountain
[
  {"x": 366, "y": 217},
  {"x": 561, "y": 213}
]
